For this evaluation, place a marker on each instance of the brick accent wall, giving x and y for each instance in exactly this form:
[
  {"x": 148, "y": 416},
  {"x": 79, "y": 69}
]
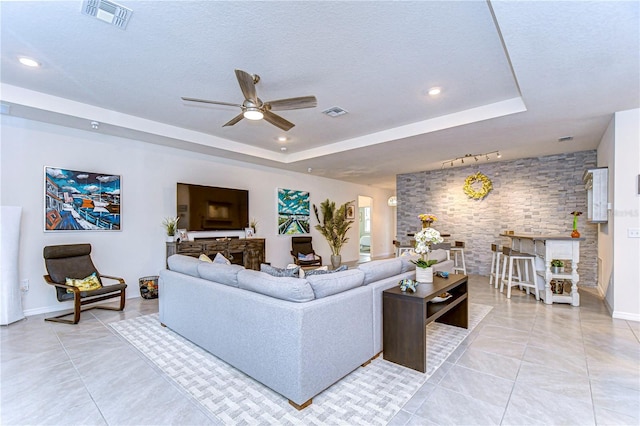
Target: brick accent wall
[{"x": 530, "y": 195}]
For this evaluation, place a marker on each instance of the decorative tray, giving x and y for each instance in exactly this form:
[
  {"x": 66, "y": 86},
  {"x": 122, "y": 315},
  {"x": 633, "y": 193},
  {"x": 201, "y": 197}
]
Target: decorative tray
[{"x": 441, "y": 298}]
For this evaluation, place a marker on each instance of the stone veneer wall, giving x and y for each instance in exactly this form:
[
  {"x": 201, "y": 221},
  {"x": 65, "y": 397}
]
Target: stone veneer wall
[{"x": 530, "y": 195}]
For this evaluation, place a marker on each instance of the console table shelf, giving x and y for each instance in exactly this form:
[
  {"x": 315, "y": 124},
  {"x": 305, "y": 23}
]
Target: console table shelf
[
  {"x": 405, "y": 316},
  {"x": 248, "y": 252}
]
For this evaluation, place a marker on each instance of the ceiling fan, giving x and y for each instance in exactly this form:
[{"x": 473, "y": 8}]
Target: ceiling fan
[{"x": 254, "y": 109}]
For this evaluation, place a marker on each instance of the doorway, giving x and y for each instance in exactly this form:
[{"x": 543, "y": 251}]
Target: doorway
[{"x": 365, "y": 236}]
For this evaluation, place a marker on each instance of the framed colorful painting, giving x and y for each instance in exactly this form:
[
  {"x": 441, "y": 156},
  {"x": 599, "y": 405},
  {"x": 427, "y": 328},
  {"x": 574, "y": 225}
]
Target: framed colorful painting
[
  {"x": 81, "y": 201},
  {"x": 293, "y": 212}
]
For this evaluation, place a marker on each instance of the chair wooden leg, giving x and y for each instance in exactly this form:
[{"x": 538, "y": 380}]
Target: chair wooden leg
[
  {"x": 302, "y": 406},
  {"x": 77, "y": 308}
]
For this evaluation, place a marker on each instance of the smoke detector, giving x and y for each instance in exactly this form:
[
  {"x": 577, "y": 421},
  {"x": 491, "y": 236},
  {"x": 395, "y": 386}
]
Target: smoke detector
[
  {"x": 108, "y": 11},
  {"x": 335, "y": 111}
]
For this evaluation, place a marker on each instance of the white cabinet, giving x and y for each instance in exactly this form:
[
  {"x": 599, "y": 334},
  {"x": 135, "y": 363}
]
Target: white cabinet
[{"x": 595, "y": 181}]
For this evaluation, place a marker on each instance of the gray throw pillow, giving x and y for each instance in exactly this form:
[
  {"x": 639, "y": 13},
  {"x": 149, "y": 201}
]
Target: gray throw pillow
[{"x": 280, "y": 272}]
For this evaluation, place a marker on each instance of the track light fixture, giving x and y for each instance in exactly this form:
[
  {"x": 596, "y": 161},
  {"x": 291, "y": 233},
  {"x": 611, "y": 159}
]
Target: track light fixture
[{"x": 469, "y": 156}]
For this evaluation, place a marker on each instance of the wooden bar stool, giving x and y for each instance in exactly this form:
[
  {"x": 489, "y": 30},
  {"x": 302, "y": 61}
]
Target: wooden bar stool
[
  {"x": 458, "y": 248},
  {"x": 494, "y": 275},
  {"x": 528, "y": 260}
]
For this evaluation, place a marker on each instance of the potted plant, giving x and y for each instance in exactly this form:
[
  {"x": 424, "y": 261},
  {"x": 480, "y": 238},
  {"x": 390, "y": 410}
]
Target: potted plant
[
  {"x": 424, "y": 239},
  {"x": 333, "y": 225},
  {"x": 557, "y": 266},
  {"x": 170, "y": 225}
]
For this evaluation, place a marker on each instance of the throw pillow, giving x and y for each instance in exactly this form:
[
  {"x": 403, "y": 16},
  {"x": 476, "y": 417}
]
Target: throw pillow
[
  {"x": 280, "y": 272},
  {"x": 205, "y": 258},
  {"x": 324, "y": 270},
  {"x": 221, "y": 259},
  {"x": 309, "y": 256},
  {"x": 294, "y": 266},
  {"x": 85, "y": 284}
]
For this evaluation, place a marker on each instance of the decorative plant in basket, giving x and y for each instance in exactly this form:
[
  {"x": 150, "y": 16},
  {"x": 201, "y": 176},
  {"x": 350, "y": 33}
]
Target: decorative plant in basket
[{"x": 557, "y": 266}]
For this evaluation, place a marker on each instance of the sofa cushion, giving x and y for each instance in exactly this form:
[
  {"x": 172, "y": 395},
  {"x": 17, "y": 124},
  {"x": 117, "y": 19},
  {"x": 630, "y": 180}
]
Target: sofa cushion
[
  {"x": 285, "y": 288},
  {"x": 280, "y": 272},
  {"x": 406, "y": 259},
  {"x": 203, "y": 257},
  {"x": 221, "y": 259},
  {"x": 380, "y": 269},
  {"x": 184, "y": 264},
  {"x": 324, "y": 285},
  {"x": 220, "y": 273}
]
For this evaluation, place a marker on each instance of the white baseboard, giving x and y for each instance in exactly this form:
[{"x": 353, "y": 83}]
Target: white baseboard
[{"x": 626, "y": 316}]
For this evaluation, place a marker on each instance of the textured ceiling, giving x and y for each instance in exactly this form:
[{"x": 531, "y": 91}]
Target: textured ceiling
[{"x": 515, "y": 77}]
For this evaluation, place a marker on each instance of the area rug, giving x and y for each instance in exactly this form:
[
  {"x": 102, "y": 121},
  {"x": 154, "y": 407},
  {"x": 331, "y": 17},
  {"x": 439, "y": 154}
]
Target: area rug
[{"x": 370, "y": 395}]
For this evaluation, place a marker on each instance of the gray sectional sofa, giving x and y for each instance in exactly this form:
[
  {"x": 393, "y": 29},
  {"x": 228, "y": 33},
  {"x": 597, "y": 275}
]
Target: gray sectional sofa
[{"x": 297, "y": 336}]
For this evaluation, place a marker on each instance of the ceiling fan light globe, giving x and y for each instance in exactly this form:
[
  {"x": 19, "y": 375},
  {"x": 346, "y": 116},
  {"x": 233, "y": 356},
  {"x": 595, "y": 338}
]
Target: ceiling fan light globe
[{"x": 253, "y": 114}]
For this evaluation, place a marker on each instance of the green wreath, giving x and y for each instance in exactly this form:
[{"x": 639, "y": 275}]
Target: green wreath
[{"x": 480, "y": 194}]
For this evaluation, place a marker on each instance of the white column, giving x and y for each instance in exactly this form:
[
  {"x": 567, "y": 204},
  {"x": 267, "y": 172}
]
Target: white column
[{"x": 10, "y": 297}]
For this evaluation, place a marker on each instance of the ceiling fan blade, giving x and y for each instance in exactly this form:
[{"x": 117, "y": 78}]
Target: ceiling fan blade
[
  {"x": 204, "y": 101},
  {"x": 277, "y": 121},
  {"x": 247, "y": 85},
  {"x": 234, "y": 120},
  {"x": 293, "y": 103}
]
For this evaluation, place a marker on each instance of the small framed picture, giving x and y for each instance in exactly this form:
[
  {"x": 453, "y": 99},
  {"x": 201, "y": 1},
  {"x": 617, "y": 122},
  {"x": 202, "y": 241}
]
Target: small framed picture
[
  {"x": 248, "y": 232},
  {"x": 351, "y": 212},
  {"x": 182, "y": 235}
]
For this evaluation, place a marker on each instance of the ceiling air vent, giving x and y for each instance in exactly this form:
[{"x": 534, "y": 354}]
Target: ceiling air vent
[
  {"x": 108, "y": 11},
  {"x": 565, "y": 139},
  {"x": 335, "y": 111}
]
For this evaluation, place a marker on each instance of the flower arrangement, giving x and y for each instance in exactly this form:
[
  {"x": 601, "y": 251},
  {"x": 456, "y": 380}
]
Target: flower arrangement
[
  {"x": 424, "y": 239},
  {"x": 557, "y": 263},
  {"x": 427, "y": 219},
  {"x": 170, "y": 225}
]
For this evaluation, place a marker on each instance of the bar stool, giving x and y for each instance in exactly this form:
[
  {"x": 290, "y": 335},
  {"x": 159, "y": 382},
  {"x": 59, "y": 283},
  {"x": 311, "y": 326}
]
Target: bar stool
[
  {"x": 528, "y": 260},
  {"x": 458, "y": 248},
  {"x": 494, "y": 275}
]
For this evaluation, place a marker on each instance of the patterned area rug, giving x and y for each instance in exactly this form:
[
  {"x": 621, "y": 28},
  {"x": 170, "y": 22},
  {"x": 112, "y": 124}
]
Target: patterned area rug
[{"x": 370, "y": 395}]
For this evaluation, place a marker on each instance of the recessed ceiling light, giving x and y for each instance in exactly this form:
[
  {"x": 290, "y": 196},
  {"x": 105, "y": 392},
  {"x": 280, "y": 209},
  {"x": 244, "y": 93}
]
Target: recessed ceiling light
[
  {"x": 28, "y": 62},
  {"x": 282, "y": 139},
  {"x": 434, "y": 91}
]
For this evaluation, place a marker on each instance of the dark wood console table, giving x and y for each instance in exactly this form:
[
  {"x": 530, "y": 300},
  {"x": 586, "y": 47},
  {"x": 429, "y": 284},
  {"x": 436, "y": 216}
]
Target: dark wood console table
[
  {"x": 249, "y": 252},
  {"x": 405, "y": 316}
]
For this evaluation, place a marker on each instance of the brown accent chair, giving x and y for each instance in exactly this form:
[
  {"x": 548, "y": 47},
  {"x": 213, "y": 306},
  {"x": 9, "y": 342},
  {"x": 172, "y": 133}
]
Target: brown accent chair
[
  {"x": 303, "y": 245},
  {"x": 74, "y": 261}
]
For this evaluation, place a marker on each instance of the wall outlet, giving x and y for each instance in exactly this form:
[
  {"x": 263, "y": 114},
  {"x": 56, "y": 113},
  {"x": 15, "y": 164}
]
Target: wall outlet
[
  {"x": 24, "y": 285},
  {"x": 633, "y": 232}
]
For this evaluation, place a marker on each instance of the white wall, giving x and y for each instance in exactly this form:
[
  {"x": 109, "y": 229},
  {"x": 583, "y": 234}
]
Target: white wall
[
  {"x": 627, "y": 215},
  {"x": 619, "y": 150},
  {"x": 605, "y": 230},
  {"x": 149, "y": 174}
]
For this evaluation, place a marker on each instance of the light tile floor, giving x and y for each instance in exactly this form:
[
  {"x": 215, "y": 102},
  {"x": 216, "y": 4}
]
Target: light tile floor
[{"x": 526, "y": 363}]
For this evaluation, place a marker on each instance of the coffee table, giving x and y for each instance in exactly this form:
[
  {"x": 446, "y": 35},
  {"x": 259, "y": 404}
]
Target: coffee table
[{"x": 405, "y": 316}]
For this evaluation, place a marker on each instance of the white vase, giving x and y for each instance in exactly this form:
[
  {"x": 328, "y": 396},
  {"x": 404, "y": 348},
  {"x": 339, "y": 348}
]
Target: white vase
[{"x": 424, "y": 275}]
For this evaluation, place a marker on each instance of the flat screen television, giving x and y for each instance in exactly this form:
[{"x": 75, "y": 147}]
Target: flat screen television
[{"x": 208, "y": 208}]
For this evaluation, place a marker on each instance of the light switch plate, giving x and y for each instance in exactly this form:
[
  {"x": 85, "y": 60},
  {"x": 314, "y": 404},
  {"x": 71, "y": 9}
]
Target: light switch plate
[{"x": 633, "y": 232}]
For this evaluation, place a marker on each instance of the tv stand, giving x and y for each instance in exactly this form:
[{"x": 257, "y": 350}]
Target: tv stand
[{"x": 248, "y": 252}]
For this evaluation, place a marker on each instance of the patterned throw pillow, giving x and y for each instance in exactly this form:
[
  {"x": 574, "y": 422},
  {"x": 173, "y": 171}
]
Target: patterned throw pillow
[
  {"x": 205, "y": 258},
  {"x": 280, "y": 272},
  {"x": 324, "y": 270},
  {"x": 85, "y": 284}
]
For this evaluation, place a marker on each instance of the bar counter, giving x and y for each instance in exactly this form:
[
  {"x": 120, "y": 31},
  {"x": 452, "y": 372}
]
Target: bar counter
[{"x": 546, "y": 248}]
